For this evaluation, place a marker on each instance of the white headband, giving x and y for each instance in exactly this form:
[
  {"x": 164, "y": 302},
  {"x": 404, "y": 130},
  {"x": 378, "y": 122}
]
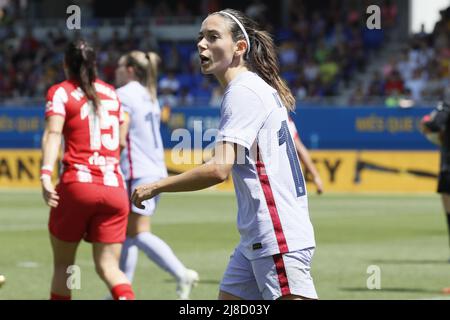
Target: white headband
[{"x": 241, "y": 26}]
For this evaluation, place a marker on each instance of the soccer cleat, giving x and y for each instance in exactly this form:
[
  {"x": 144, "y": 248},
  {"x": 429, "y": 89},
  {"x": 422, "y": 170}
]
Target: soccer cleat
[
  {"x": 2, "y": 280},
  {"x": 185, "y": 285}
]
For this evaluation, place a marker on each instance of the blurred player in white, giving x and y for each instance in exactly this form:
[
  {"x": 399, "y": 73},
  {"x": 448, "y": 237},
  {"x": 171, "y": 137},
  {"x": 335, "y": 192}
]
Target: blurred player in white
[
  {"x": 273, "y": 259},
  {"x": 142, "y": 161},
  {"x": 305, "y": 157}
]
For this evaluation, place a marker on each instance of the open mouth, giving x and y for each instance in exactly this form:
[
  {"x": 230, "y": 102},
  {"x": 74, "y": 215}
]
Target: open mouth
[{"x": 204, "y": 60}]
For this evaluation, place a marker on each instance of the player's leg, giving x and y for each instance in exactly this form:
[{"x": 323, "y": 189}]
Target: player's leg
[
  {"x": 63, "y": 257},
  {"x": 154, "y": 247},
  {"x": 159, "y": 252},
  {"x": 129, "y": 258},
  {"x": 139, "y": 234},
  {"x": 238, "y": 282},
  {"x": 129, "y": 255},
  {"x": 107, "y": 231},
  {"x": 67, "y": 225},
  {"x": 106, "y": 260},
  {"x": 444, "y": 190},
  {"x": 446, "y": 204}
]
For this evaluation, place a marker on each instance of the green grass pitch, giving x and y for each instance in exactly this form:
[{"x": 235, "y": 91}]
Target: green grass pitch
[{"x": 404, "y": 235}]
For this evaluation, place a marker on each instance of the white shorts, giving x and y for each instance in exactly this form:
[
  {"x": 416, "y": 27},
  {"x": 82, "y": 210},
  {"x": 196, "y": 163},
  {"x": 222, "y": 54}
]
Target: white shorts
[
  {"x": 270, "y": 278},
  {"x": 150, "y": 205}
]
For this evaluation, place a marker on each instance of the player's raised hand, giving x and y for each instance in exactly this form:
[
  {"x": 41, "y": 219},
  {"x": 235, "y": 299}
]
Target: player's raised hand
[
  {"x": 49, "y": 193},
  {"x": 142, "y": 193}
]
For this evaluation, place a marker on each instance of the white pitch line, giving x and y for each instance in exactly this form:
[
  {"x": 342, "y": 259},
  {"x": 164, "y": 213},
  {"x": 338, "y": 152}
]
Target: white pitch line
[
  {"x": 28, "y": 264},
  {"x": 22, "y": 227}
]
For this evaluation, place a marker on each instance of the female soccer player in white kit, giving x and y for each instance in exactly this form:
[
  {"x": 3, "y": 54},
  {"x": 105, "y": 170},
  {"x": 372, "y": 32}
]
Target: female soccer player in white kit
[
  {"x": 273, "y": 258},
  {"x": 142, "y": 161}
]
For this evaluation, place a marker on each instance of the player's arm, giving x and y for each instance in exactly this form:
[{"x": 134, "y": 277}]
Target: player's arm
[
  {"x": 123, "y": 131},
  {"x": 215, "y": 171},
  {"x": 305, "y": 158},
  {"x": 51, "y": 143}
]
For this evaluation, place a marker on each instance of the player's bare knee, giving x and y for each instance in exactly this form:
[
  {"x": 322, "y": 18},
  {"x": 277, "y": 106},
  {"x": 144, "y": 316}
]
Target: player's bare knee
[
  {"x": 131, "y": 231},
  {"x": 134, "y": 231},
  {"x": 137, "y": 224}
]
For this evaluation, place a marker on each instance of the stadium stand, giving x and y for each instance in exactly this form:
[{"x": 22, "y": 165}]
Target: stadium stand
[
  {"x": 322, "y": 49},
  {"x": 416, "y": 69}
]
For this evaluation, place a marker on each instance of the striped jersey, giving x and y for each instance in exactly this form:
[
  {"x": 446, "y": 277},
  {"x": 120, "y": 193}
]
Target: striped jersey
[
  {"x": 91, "y": 138},
  {"x": 273, "y": 214}
]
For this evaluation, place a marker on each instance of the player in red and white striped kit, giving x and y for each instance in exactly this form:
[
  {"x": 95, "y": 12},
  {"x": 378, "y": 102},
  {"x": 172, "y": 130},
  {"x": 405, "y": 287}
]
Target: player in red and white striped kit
[{"x": 90, "y": 202}]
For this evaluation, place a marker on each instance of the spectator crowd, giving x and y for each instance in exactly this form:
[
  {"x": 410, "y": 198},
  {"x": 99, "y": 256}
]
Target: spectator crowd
[
  {"x": 418, "y": 72},
  {"x": 320, "y": 51}
]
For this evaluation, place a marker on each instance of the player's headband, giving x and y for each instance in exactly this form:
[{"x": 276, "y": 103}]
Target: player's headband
[{"x": 241, "y": 26}]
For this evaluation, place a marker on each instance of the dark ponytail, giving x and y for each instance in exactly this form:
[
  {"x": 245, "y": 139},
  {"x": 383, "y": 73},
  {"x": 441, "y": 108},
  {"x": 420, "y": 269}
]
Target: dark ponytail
[
  {"x": 80, "y": 59},
  {"x": 262, "y": 58}
]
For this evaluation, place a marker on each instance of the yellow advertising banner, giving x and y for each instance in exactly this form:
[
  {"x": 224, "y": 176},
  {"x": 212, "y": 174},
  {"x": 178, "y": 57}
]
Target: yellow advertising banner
[
  {"x": 341, "y": 171},
  {"x": 19, "y": 168},
  {"x": 360, "y": 171},
  {"x": 377, "y": 171}
]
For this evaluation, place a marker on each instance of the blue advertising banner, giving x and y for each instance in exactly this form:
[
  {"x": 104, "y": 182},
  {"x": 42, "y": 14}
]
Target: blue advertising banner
[
  {"x": 327, "y": 128},
  {"x": 21, "y": 128},
  {"x": 363, "y": 128},
  {"x": 320, "y": 128}
]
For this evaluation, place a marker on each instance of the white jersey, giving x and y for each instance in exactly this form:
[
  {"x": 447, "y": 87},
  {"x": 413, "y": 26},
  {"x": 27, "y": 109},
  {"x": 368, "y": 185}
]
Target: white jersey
[
  {"x": 272, "y": 201},
  {"x": 144, "y": 154}
]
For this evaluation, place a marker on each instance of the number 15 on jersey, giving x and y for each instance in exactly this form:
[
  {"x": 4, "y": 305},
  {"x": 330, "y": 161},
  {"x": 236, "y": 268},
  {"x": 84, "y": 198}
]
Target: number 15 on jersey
[{"x": 102, "y": 120}]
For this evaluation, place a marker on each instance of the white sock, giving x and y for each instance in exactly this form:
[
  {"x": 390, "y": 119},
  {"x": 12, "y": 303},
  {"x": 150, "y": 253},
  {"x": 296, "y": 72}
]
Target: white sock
[
  {"x": 158, "y": 251},
  {"x": 129, "y": 258}
]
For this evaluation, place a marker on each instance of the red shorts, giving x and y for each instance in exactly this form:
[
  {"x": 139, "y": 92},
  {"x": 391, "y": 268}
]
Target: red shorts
[{"x": 94, "y": 212}]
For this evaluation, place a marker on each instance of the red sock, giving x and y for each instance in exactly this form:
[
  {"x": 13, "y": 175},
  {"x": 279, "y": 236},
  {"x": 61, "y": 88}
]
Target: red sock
[
  {"x": 54, "y": 296},
  {"x": 122, "y": 292}
]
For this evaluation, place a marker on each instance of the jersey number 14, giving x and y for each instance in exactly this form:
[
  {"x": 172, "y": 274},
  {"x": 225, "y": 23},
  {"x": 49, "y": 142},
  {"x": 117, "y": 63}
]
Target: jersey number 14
[{"x": 284, "y": 137}]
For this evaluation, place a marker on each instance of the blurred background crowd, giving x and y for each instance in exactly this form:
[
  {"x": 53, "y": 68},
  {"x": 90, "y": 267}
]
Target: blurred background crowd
[{"x": 326, "y": 50}]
